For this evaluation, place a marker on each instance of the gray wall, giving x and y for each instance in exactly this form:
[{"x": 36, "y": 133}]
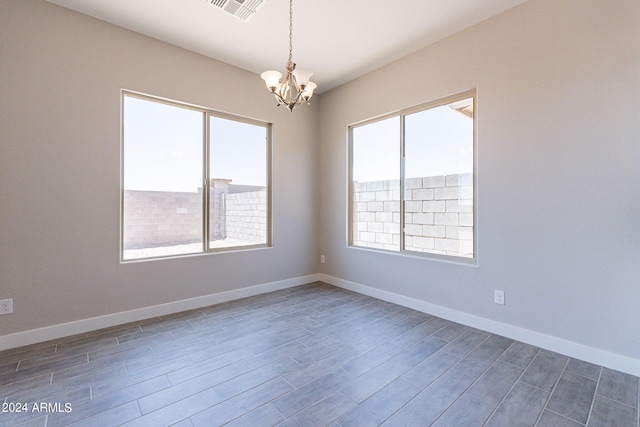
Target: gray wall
[
  {"x": 558, "y": 182},
  {"x": 60, "y": 79},
  {"x": 558, "y": 204}
]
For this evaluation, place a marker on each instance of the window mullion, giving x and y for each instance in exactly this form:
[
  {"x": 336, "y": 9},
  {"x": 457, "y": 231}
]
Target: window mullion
[
  {"x": 206, "y": 171},
  {"x": 402, "y": 184},
  {"x": 350, "y": 195}
]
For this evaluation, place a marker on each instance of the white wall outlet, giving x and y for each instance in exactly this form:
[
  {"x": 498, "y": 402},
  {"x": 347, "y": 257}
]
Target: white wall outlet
[
  {"x": 498, "y": 297},
  {"x": 322, "y": 259},
  {"x": 6, "y": 306}
]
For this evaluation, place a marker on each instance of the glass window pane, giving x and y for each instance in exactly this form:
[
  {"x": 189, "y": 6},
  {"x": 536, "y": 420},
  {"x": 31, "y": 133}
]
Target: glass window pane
[
  {"x": 238, "y": 184},
  {"x": 375, "y": 190},
  {"x": 163, "y": 176},
  {"x": 439, "y": 180}
]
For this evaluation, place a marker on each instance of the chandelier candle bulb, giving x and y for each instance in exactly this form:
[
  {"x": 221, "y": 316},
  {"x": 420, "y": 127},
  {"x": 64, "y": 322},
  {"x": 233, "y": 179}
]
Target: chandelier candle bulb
[
  {"x": 302, "y": 77},
  {"x": 307, "y": 93},
  {"x": 272, "y": 79}
]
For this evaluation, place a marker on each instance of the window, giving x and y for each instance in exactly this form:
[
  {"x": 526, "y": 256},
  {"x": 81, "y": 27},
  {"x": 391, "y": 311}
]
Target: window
[
  {"x": 193, "y": 180},
  {"x": 412, "y": 180}
]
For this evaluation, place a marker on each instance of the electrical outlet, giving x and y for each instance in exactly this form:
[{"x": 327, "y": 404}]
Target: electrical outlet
[
  {"x": 498, "y": 297},
  {"x": 6, "y": 306},
  {"x": 322, "y": 259}
]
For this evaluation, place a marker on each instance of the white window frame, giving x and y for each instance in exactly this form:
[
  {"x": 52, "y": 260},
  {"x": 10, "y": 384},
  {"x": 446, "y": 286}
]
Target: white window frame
[
  {"x": 207, "y": 113},
  {"x": 472, "y": 93}
]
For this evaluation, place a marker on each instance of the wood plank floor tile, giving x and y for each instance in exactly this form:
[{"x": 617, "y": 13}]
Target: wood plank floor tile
[
  {"x": 572, "y": 397},
  {"x": 105, "y": 402},
  {"x": 310, "y": 355},
  {"x": 611, "y": 413},
  {"x": 112, "y": 417},
  {"x": 367, "y": 361},
  {"x": 495, "y": 383},
  {"x": 176, "y": 411},
  {"x": 520, "y": 354},
  {"x": 544, "y": 370},
  {"x": 551, "y": 419},
  {"x": 419, "y": 352},
  {"x": 265, "y": 416},
  {"x": 21, "y": 385},
  {"x": 479, "y": 360},
  {"x": 464, "y": 344},
  {"x": 312, "y": 392},
  {"x": 425, "y": 372},
  {"x": 380, "y": 406},
  {"x": 186, "y": 389},
  {"x": 618, "y": 386},
  {"x": 466, "y": 411},
  {"x": 451, "y": 331},
  {"x": 249, "y": 380},
  {"x": 38, "y": 422},
  {"x": 522, "y": 406},
  {"x": 585, "y": 369},
  {"x": 430, "y": 403},
  {"x": 373, "y": 381},
  {"x": 321, "y": 413},
  {"x": 237, "y": 406}
]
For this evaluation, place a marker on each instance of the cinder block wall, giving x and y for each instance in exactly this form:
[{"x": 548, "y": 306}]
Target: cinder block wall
[
  {"x": 246, "y": 215},
  {"x": 163, "y": 218},
  {"x": 438, "y": 214}
]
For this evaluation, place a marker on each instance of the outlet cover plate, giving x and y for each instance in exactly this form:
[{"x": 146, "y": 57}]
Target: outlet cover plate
[{"x": 6, "y": 306}]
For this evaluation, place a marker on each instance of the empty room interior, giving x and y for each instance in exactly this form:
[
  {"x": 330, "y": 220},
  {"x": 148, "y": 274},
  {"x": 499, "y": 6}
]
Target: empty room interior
[{"x": 441, "y": 226}]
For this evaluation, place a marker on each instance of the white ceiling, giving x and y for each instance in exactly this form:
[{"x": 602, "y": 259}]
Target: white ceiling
[{"x": 338, "y": 40}]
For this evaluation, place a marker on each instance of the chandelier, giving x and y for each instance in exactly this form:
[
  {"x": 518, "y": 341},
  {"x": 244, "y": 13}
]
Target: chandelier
[{"x": 296, "y": 87}]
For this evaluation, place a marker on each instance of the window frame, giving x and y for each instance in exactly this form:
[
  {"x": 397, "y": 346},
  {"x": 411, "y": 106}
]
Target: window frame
[
  {"x": 206, "y": 113},
  {"x": 402, "y": 114}
]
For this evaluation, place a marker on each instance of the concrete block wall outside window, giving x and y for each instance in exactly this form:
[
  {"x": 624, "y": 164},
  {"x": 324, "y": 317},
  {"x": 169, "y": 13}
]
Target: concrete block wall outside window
[
  {"x": 163, "y": 218},
  {"x": 438, "y": 214}
]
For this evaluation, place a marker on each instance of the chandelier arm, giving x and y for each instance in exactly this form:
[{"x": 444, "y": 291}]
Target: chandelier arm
[{"x": 299, "y": 98}]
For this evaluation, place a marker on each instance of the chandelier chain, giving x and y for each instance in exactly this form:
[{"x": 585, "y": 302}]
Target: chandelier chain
[{"x": 290, "y": 30}]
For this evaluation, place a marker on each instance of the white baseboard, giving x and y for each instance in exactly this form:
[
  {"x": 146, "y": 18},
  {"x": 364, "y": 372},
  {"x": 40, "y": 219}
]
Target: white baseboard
[
  {"x": 86, "y": 325},
  {"x": 548, "y": 342},
  {"x": 559, "y": 345}
]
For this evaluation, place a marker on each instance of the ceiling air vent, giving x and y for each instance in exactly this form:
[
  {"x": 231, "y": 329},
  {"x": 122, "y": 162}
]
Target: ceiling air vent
[{"x": 241, "y": 9}]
